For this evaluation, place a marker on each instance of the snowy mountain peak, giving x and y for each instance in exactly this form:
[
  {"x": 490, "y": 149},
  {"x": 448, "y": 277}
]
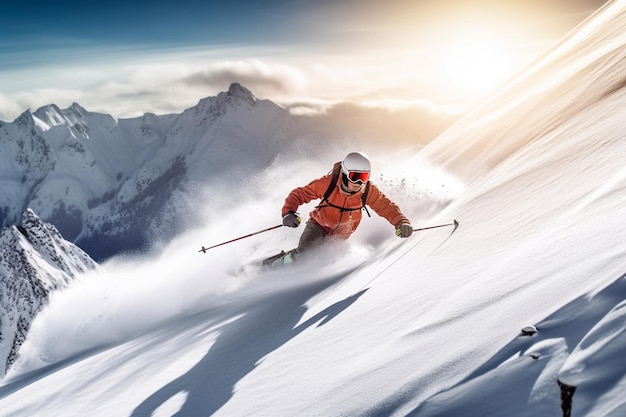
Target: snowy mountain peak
[
  {"x": 50, "y": 115},
  {"x": 241, "y": 92},
  {"x": 238, "y": 93},
  {"x": 34, "y": 261},
  {"x": 46, "y": 239},
  {"x": 77, "y": 108},
  {"x": 25, "y": 120}
]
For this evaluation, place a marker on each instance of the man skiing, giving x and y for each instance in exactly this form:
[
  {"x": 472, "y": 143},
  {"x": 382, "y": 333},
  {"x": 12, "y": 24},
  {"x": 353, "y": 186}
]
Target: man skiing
[{"x": 344, "y": 193}]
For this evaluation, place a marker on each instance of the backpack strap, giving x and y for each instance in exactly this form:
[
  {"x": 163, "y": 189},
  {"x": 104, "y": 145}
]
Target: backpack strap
[
  {"x": 364, "y": 198},
  {"x": 333, "y": 182}
]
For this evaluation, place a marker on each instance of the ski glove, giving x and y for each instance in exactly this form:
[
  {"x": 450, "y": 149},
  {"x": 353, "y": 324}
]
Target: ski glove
[
  {"x": 291, "y": 219},
  {"x": 404, "y": 230}
]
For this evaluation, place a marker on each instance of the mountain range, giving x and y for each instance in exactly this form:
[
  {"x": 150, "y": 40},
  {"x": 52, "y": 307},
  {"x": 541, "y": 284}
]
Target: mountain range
[{"x": 112, "y": 186}]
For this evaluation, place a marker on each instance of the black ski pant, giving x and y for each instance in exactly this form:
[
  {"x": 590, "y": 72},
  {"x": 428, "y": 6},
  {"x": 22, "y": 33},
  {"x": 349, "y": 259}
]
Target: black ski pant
[{"x": 312, "y": 237}]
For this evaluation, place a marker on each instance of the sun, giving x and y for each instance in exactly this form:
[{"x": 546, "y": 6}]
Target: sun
[{"x": 477, "y": 66}]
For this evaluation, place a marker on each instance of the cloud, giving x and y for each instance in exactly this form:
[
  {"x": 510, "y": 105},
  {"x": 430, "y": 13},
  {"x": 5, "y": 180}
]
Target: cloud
[
  {"x": 254, "y": 74},
  {"x": 158, "y": 84},
  {"x": 127, "y": 84},
  {"x": 8, "y": 108}
]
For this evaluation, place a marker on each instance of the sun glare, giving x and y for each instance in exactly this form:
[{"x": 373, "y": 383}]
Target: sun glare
[{"x": 476, "y": 66}]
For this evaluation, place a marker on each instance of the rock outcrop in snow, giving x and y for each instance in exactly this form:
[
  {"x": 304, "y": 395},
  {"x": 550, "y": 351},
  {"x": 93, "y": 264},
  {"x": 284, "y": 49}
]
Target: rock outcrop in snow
[{"x": 34, "y": 261}]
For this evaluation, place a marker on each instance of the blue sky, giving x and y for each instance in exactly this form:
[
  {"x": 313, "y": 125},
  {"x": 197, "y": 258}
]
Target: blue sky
[
  {"x": 128, "y": 57},
  {"x": 32, "y": 30}
]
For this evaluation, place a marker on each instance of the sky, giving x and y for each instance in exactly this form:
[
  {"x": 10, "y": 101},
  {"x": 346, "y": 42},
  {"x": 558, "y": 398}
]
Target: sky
[{"x": 127, "y": 58}]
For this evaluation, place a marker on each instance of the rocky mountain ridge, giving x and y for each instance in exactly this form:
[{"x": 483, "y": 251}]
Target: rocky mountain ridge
[{"x": 35, "y": 260}]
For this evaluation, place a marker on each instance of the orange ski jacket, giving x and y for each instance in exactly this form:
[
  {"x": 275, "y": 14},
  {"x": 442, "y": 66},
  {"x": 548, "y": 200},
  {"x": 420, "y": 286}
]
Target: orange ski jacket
[{"x": 342, "y": 222}]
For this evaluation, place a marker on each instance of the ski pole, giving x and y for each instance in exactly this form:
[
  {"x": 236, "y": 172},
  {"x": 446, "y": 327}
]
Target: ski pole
[
  {"x": 455, "y": 224},
  {"x": 203, "y": 250}
]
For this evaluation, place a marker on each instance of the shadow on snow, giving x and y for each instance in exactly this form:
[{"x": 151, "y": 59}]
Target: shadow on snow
[{"x": 264, "y": 327}]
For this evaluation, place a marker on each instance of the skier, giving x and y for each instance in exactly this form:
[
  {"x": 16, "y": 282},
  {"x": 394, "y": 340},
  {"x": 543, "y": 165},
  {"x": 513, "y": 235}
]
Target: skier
[{"x": 339, "y": 213}]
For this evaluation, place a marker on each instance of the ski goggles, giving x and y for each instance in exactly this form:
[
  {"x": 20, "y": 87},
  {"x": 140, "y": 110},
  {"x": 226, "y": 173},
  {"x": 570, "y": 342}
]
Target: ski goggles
[{"x": 358, "y": 177}]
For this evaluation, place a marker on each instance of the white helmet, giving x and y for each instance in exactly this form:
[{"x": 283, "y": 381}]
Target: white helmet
[{"x": 356, "y": 167}]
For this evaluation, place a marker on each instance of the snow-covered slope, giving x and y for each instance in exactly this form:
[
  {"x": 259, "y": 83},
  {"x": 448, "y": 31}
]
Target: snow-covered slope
[
  {"x": 382, "y": 326},
  {"x": 35, "y": 260},
  {"x": 586, "y": 69},
  {"x": 116, "y": 185}
]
